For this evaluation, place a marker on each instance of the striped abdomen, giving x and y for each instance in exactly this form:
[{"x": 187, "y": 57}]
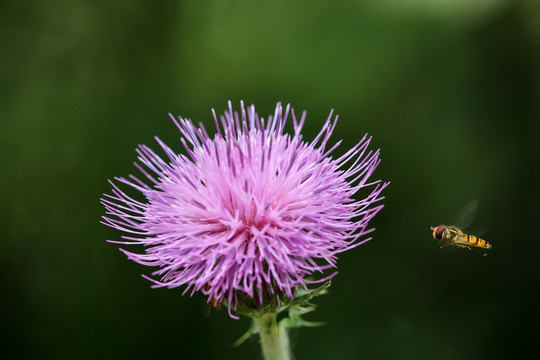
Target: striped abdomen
[{"x": 472, "y": 240}]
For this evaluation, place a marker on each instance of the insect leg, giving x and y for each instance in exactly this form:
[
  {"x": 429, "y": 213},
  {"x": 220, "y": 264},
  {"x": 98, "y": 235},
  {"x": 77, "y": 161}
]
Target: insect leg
[
  {"x": 477, "y": 251},
  {"x": 472, "y": 249},
  {"x": 445, "y": 243}
]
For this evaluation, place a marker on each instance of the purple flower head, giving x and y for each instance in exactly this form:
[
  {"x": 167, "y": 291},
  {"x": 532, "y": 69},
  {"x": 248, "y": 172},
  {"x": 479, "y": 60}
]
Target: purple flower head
[{"x": 250, "y": 210}]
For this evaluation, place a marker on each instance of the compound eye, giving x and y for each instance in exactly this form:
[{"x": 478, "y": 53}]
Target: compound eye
[{"x": 439, "y": 231}]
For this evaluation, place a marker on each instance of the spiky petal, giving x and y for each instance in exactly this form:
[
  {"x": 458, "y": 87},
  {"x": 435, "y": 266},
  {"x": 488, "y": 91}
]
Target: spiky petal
[{"x": 249, "y": 210}]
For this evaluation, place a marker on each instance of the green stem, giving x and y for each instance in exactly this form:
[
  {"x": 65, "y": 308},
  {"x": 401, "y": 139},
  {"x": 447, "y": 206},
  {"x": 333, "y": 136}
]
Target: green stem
[{"x": 274, "y": 337}]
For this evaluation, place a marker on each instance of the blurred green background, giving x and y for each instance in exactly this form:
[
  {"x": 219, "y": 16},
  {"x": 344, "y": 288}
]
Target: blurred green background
[{"x": 449, "y": 90}]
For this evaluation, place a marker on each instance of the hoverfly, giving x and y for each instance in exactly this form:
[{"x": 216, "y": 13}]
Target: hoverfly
[
  {"x": 207, "y": 304},
  {"x": 454, "y": 235}
]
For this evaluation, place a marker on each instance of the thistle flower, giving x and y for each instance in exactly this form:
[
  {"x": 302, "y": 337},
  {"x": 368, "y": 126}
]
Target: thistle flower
[{"x": 247, "y": 211}]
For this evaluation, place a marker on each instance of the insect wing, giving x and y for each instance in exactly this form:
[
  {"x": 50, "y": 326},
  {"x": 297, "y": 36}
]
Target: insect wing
[
  {"x": 206, "y": 307},
  {"x": 466, "y": 215}
]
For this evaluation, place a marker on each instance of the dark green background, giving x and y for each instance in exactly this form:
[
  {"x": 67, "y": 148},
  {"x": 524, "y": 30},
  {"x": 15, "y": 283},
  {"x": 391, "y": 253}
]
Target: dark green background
[{"x": 450, "y": 93}]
